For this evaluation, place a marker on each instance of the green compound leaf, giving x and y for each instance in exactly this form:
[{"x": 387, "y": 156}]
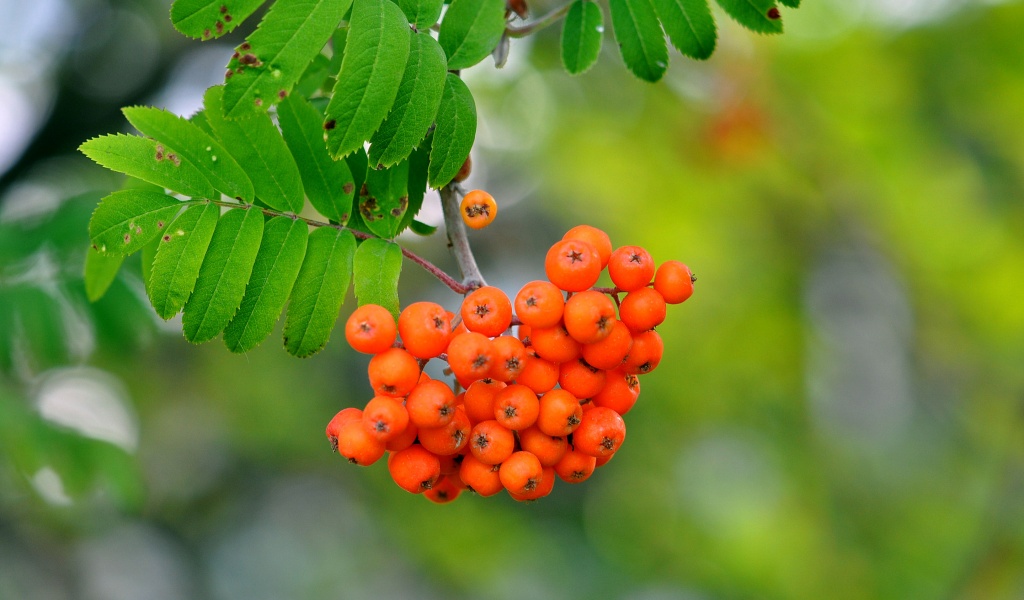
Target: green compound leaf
[
  {"x": 319, "y": 291},
  {"x": 640, "y": 38},
  {"x": 148, "y": 160},
  {"x": 384, "y": 199},
  {"x": 208, "y": 19},
  {"x": 223, "y": 275},
  {"x": 422, "y": 13},
  {"x": 328, "y": 182},
  {"x": 582, "y": 33},
  {"x": 689, "y": 25},
  {"x": 264, "y": 68},
  {"x": 257, "y": 145},
  {"x": 419, "y": 162},
  {"x": 127, "y": 220},
  {"x": 376, "y": 51},
  {"x": 193, "y": 145},
  {"x": 416, "y": 105},
  {"x": 100, "y": 271},
  {"x": 376, "y": 268},
  {"x": 790, "y": 3},
  {"x": 147, "y": 257},
  {"x": 179, "y": 257},
  {"x": 273, "y": 276},
  {"x": 754, "y": 14},
  {"x": 470, "y": 31},
  {"x": 454, "y": 134}
]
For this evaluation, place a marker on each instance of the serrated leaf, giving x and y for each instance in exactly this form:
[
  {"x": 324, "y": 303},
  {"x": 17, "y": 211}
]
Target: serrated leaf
[
  {"x": 470, "y": 31},
  {"x": 790, "y": 3},
  {"x": 258, "y": 147},
  {"x": 100, "y": 271},
  {"x": 147, "y": 160},
  {"x": 454, "y": 133},
  {"x": 191, "y": 144},
  {"x": 416, "y": 105},
  {"x": 385, "y": 200},
  {"x": 754, "y": 14},
  {"x": 274, "y": 57},
  {"x": 419, "y": 162},
  {"x": 375, "y": 270},
  {"x": 273, "y": 276},
  {"x": 328, "y": 182},
  {"x": 147, "y": 257},
  {"x": 127, "y": 220},
  {"x": 582, "y": 33},
  {"x": 223, "y": 275},
  {"x": 689, "y": 25},
  {"x": 319, "y": 291},
  {"x": 179, "y": 257},
  {"x": 421, "y": 13},
  {"x": 640, "y": 39},
  {"x": 208, "y": 19},
  {"x": 421, "y": 228},
  {"x": 376, "y": 51}
]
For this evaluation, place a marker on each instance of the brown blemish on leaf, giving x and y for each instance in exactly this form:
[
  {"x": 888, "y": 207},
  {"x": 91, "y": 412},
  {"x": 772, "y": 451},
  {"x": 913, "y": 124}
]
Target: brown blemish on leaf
[
  {"x": 227, "y": 18},
  {"x": 206, "y": 34},
  {"x": 223, "y": 9},
  {"x": 160, "y": 224},
  {"x": 368, "y": 208},
  {"x": 167, "y": 238},
  {"x": 773, "y": 13},
  {"x": 219, "y": 27},
  {"x": 245, "y": 47},
  {"x": 364, "y": 191},
  {"x": 127, "y": 238},
  {"x": 174, "y": 159},
  {"x": 282, "y": 94},
  {"x": 344, "y": 217},
  {"x": 329, "y": 125},
  {"x": 348, "y": 188},
  {"x": 258, "y": 101},
  {"x": 159, "y": 152},
  {"x": 250, "y": 60},
  {"x": 228, "y": 74}
]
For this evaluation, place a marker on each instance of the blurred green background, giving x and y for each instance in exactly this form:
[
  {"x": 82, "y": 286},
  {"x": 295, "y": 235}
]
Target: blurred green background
[{"x": 840, "y": 413}]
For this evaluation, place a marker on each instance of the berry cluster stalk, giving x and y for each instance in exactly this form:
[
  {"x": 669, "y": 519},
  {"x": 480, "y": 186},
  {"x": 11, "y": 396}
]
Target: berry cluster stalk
[{"x": 458, "y": 242}]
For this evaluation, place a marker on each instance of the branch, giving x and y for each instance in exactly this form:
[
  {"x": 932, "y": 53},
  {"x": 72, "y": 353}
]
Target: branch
[
  {"x": 458, "y": 242},
  {"x": 430, "y": 267},
  {"x": 548, "y": 19}
]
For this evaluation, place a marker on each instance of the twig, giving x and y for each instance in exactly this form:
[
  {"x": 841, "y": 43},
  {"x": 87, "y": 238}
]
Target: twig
[
  {"x": 458, "y": 242},
  {"x": 541, "y": 23}
]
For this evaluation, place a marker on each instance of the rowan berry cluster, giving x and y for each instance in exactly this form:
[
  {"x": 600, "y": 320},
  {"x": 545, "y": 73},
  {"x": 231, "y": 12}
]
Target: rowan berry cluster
[{"x": 525, "y": 409}]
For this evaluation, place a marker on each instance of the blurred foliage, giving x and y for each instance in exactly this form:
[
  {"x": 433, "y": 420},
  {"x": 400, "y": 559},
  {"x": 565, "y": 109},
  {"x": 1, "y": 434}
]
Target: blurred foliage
[{"x": 839, "y": 414}]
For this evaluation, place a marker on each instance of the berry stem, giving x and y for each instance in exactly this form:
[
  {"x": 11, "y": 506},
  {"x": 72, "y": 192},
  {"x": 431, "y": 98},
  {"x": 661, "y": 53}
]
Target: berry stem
[
  {"x": 428, "y": 266},
  {"x": 548, "y": 19},
  {"x": 458, "y": 241}
]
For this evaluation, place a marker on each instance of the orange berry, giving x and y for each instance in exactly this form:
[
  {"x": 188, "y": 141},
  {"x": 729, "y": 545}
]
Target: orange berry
[
  {"x": 554, "y": 344},
  {"x": 334, "y": 426},
  {"x": 645, "y": 355},
  {"x": 559, "y": 413},
  {"x": 470, "y": 356},
  {"x": 595, "y": 237},
  {"x": 509, "y": 358},
  {"x": 547, "y": 448},
  {"x": 537, "y": 374},
  {"x": 631, "y": 268},
  {"x": 580, "y": 379},
  {"x": 612, "y": 350},
  {"x": 619, "y": 393},
  {"x": 414, "y": 469},
  {"x": 393, "y": 372},
  {"x": 357, "y": 444},
  {"x": 547, "y": 483},
  {"x": 370, "y": 329},
  {"x": 603, "y": 460},
  {"x": 464, "y": 170},
  {"x": 523, "y": 333},
  {"x": 600, "y": 433},
  {"x": 385, "y": 418},
  {"x": 491, "y": 442},
  {"x": 443, "y": 491},
  {"x": 539, "y": 304},
  {"x": 575, "y": 466},
  {"x": 572, "y": 265},
  {"x": 521, "y": 473},
  {"x": 516, "y": 407},
  {"x": 431, "y": 404},
  {"x": 642, "y": 309},
  {"x": 424, "y": 327},
  {"x": 487, "y": 310},
  {"x": 403, "y": 440},
  {"x": 478, "y": 209},
  {"x": 589, "y": 316},
  {"x": 449, "y": 439},
  {"x": 482, "y": 478},
  {"x": 479, "y": 400},
  {"x": 674, "y": 281}
]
